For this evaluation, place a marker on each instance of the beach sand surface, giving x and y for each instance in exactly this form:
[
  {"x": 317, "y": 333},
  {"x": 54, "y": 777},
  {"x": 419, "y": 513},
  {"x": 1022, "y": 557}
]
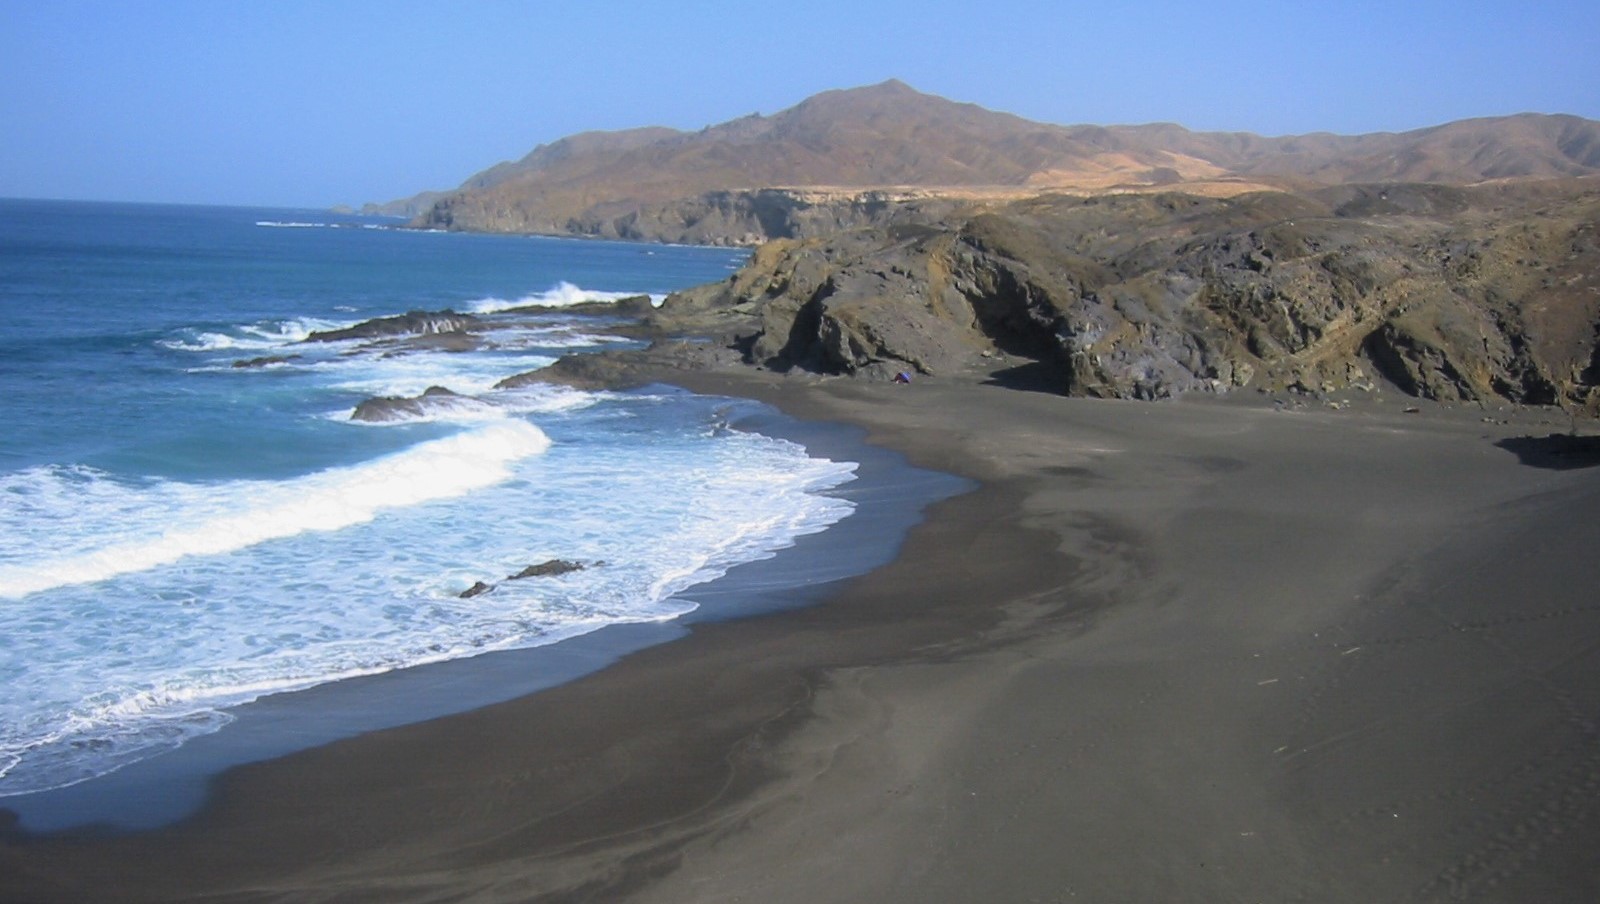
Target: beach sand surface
[{"x": 1211, "y": 650}]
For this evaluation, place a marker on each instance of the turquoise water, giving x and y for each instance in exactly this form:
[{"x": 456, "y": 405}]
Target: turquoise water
[{"x": 179, "y": 536}]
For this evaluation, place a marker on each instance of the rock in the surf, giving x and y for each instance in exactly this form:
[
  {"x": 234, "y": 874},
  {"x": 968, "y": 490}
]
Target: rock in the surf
[
  {"x": 265, "y": 360},
  {"x": 546, "y": 569},
  {"x": 393, "y": 408},
  {"x": 412, "y": 323}
]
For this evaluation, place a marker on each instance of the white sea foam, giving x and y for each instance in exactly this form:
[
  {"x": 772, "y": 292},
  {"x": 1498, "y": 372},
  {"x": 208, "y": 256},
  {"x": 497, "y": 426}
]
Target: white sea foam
[
  {"x": 166, "y": 522},
  {"x": 410, "y": 375},
  {"x": 561, "y": 336},
  {"x": 460, "y": 409},
  {"x": 382, "y": 595},
  {"x": 267, "y": 334},
  {"x": 291, "y": 224},
  {"x": 563, "y": 295}
]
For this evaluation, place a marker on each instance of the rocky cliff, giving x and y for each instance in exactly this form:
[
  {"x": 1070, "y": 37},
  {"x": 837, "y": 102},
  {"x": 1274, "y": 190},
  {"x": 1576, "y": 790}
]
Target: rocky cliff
[{"x": 1474, "y": 294}]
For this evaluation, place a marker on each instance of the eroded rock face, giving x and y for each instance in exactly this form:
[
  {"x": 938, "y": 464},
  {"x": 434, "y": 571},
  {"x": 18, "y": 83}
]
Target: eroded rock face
[{"x": 1459, "y": 294}]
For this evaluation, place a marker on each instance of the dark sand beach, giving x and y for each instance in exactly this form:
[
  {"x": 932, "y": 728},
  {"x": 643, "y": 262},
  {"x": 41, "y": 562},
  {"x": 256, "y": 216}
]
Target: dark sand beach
[{"x": 1209, "y": 650}]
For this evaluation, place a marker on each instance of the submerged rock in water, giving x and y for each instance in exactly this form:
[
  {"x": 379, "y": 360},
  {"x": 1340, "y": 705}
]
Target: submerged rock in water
[
  {"x": 549, "y": 568},
  {"x": 412, "y": 323},
  {"x": 265, "y": 360},
  {"x": 393, "y": 408}
]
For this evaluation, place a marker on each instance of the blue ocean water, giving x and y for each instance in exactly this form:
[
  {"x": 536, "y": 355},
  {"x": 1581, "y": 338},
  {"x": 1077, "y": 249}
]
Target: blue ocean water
[{"x": 179, "y": 535}]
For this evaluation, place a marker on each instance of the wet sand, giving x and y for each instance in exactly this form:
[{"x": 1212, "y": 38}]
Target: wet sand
[{"x": 1197, "y": 651}]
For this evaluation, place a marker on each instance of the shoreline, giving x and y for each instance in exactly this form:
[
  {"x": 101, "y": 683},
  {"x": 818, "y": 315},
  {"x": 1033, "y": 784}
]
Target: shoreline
[
  {"x": 1191, "y": 651},
  {"x": 162, "y": 789}
]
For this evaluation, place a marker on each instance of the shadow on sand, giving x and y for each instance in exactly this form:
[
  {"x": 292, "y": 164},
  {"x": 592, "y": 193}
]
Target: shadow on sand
[
  {"x": 1035, "y": 376},
  {"x": 1558, "y": 451}
]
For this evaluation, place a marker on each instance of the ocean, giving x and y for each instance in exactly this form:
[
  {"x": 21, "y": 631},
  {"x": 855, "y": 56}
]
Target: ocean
[{"x": 180, "y": 536}]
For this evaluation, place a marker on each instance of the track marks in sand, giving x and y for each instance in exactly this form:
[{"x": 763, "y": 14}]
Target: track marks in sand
[{"x": 1452, "y": 726}]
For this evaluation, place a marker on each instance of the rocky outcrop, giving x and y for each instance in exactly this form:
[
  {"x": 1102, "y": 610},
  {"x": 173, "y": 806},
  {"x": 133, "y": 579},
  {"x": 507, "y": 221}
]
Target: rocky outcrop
[
  {"x": 1449, "y": 294},
  {"x": 628, "y": 369},
  {"x": 632, "y": 306},
  {"x": 413, "y": 323},
  {"x": 548, "y": 568},
  {"x": 265, "y": 361},
  {"x": 383, "y": 409},
  {"x": 551, "y": 568}
]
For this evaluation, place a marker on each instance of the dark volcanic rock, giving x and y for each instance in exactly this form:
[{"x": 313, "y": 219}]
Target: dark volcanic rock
[
  {"x": 1454, "y": 295},
  {"x": 436, "y": 342},
  {"x": 392, "y": 408},
  {"x": 265, "y": 361},
  {"x": 414, "y": 323},
  {"x": 632, "y": 306},
  {"x": 550, "y": 568},
  {"x": 628, "y": 369}
]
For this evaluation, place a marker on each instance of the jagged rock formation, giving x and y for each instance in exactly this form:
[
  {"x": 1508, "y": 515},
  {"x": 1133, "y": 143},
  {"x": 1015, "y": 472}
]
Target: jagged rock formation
[
  {"x": 1447, "y": 293},
  {"x": 856, "y": 157}
]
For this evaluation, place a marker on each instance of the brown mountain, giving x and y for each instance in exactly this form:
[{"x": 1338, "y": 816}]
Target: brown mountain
[{"x": 847, "y": 157}]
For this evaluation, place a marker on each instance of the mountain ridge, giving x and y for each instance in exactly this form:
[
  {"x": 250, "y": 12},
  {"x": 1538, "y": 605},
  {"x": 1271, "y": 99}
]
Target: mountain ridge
[{"x": 656, "y": 183}]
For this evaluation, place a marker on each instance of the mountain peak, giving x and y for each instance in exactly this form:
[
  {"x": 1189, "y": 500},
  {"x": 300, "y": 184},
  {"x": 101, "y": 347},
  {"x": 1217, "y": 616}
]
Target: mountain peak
[
  {"x": 891, "y": 136},
  {"x": 890, "y": 86}
]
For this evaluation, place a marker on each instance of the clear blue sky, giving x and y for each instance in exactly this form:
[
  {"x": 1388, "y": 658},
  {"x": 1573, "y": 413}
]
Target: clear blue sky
[{"x": 316, "y": 103}]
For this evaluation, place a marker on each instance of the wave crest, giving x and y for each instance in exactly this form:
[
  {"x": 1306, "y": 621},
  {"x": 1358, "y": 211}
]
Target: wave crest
[
  {"x": 562, "y": 295},
  {"x": 219, "y": 519}
]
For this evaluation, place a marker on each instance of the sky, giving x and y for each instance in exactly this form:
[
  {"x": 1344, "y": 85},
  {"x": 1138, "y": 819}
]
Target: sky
[{"x": 311, "y": 104}]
